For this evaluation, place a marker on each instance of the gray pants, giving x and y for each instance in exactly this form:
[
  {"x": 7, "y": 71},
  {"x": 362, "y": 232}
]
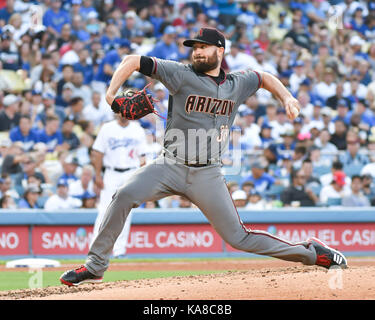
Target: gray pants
[{"x": 206, "y": 188}]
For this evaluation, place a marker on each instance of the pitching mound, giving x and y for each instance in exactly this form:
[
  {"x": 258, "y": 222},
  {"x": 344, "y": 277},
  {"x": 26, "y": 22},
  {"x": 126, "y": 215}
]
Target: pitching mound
[{"x": 249, "y": 279}]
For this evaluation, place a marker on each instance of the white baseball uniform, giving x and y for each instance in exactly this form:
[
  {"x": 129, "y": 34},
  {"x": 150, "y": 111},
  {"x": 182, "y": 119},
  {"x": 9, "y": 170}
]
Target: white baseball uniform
[{"x": 122, "y": 148}]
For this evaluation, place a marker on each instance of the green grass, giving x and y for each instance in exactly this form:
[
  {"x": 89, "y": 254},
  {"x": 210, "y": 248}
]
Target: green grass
[{"x": 24, "y": 280}]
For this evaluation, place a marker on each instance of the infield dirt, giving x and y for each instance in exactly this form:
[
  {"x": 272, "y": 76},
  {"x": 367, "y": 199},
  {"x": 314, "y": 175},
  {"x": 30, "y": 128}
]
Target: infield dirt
[{"x": 248, "y": 279}]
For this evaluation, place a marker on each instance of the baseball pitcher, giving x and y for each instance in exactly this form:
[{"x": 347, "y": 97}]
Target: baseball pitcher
[{"x": 202, "y": 106}]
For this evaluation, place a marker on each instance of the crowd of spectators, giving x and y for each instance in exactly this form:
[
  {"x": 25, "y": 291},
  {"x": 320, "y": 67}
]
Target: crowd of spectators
[{"x": 57, "y": 58}]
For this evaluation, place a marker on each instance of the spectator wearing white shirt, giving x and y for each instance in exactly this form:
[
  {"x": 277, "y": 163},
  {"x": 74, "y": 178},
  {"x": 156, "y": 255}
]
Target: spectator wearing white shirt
[
  {"x": 61, "y": 200},
  {"x": 335, "y": 191},
  {"x": 326, "y": 179},
  {"x": 97, "y": 112},
  {"x": 297, "y": 76},
  {"x": 251, "y": 136},
  {"x": 326, "y": 88},
  {"x": 356, "y": 198},
  {"x": 353, "y": 87},
  {"x": 328, "y": 149},
  {"x": 84, "y": 184},
  {"x": 238, "y": 60}
]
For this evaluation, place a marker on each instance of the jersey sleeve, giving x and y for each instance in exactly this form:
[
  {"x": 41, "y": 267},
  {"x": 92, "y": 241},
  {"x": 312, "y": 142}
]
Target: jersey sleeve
[
  {"x": 100, "y": 141},
  {"x": 249, "y": 83},
  {"x": 168, "y": 72}
]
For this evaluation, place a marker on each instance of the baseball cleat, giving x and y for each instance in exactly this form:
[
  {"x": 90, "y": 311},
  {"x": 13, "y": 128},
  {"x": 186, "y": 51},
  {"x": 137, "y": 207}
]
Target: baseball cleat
[
  {"x": 327, "y": 257},
  {"x": 78, "y": 276}
]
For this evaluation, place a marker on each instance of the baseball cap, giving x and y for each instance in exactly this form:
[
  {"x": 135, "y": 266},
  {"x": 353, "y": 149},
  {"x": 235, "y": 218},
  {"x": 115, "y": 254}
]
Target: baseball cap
[
  {"x": 258, "y": 165},
  {"x": 62, "y": 183},
  {"x": 10, "y": 99},
  {"x": 239, "y": 195},
  {"x": 88, "y": 195},
  {"x": 169, "y": 30},
  {"x": 124, "y": 43},
  {"x": 246, "y": 112},
  {"x": 209, "y": 36},
  {"x": 299, "y": 63},
  {"x": 68, "y": 85},
  {"x": 32, "y": 189},
  {"x": 339, "y": 178}
]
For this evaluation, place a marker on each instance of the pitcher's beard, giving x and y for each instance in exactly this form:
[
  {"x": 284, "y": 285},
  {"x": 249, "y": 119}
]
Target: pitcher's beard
[{"x": 203, "y": 66}]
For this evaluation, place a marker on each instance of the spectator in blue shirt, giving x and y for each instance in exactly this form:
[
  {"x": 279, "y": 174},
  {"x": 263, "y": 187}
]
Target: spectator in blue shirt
[
  {"x": 262, "y": 181},
  {"x": 6, "y": 12},
  {"x": 78, "y": 29},
  {"x": 228, "y": 11},
  {"x": 87, "y": 8},
  {"x": 85, "y": 66},
  {"x": 11, "y": 60},
  {"x": 55, "y": 17},
  {"x": 157, "y": 19},
  {"x": 30, "y": 198},
  {"x": 51, "y": 135},
  {"x": 315, "y": 11},
  {"x": 111, "y": 38},
  {"x": 357, "y": 22},
  {"x": 166, "y": 47},
  {"x": 342, "y": 112},
  {"x": 110, "y": 62},
  {"x": 24, "y": 133},
  {"x": 69, "y": 165}
]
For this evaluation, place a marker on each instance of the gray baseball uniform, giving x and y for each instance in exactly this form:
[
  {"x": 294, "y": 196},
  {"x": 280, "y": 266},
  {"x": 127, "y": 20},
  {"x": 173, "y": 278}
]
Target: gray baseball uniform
[{"x": 200, "y": 110}]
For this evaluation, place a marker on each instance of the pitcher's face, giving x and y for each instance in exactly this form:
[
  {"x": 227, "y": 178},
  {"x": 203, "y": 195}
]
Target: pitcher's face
[{"x": 205, "y": 57}]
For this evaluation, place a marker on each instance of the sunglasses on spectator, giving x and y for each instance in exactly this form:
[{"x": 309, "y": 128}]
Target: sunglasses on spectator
[{"x": 351, "y": 142}]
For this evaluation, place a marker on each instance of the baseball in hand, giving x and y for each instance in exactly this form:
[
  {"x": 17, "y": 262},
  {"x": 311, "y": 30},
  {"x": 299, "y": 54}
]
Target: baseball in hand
[{"x": 294, "y": 110}]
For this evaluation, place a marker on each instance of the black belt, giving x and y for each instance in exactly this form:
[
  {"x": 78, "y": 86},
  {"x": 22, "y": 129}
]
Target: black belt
[
  {"x": 119, "y": 169},
  {"x": 197, "y": 165},
  {"x": 194, "y": 165}
]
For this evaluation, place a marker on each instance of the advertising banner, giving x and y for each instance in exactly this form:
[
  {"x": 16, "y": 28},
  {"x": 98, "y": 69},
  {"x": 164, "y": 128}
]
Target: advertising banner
[
  {"x": 178, "y": 238},
  {"x": 174, "y": 239},
  {"x": 55, "y": 240},
  {"x": 14, "y": 240}
]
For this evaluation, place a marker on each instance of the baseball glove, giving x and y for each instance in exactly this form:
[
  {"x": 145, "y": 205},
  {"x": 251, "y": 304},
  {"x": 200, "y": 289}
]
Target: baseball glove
[{"x": 134, "y": 105}]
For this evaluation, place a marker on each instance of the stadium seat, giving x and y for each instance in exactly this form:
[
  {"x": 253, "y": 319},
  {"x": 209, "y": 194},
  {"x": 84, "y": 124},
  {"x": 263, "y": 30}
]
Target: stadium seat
[
  {"x": 316, "y": 189},
  {"x": 353, "y": 169},
  {"x": 274, "y": 191},
  {"x": 334, "y": 202},
  {"x": 320, "y": 170}
]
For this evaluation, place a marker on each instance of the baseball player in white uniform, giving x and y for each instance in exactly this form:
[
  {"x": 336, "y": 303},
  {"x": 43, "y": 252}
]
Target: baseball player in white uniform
[{"x": 118, "y": 150}]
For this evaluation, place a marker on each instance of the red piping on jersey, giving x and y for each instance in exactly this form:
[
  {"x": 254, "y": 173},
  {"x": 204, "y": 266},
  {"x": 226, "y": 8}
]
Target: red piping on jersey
[
  {"x": 155, "y": 65},
  {"x": 259, "y": 79},
  {"x": 259, "y": 231}
]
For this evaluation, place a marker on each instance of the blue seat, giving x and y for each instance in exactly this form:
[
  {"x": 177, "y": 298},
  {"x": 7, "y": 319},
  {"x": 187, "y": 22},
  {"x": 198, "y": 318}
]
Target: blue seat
[
  {"x": 334, "y": 202},
  {"x": 353, "y": 169},
  {"x": 274, "y": 191},
  {"x": 320, "y": 170}
]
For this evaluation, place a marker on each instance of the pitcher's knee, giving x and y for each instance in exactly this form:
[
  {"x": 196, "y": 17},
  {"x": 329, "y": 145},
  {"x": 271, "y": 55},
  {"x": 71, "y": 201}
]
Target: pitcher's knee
[
  {"x": 236, "y": 243},
  {"x": 125, "y": 195}
]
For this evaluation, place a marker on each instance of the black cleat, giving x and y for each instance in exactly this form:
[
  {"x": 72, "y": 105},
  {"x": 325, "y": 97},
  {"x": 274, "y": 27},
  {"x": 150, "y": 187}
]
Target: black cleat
[
  {"x": 78, "y": 276},
  {"x": 327, "y": 257}
]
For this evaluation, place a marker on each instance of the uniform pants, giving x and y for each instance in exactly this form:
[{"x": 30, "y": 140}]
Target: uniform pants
[
  {"x": 206, "y": 188},
  {"x": 112, "y": 181}
]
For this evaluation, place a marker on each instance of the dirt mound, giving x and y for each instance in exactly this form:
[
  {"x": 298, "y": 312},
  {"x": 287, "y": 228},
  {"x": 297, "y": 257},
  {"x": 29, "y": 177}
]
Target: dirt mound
[{"x": 250, "y": 279}]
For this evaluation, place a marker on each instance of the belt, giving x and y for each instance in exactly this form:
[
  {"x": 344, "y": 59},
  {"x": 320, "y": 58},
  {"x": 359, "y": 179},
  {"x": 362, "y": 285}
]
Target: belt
[
  {"x": 186, "y": 163},
  {"x": 119, "y": 169},
  {"x": 198, "y": 165}
]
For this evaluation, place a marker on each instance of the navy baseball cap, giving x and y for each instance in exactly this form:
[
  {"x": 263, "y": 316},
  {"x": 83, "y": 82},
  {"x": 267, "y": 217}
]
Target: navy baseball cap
[{"x": 209, "y": 36}]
